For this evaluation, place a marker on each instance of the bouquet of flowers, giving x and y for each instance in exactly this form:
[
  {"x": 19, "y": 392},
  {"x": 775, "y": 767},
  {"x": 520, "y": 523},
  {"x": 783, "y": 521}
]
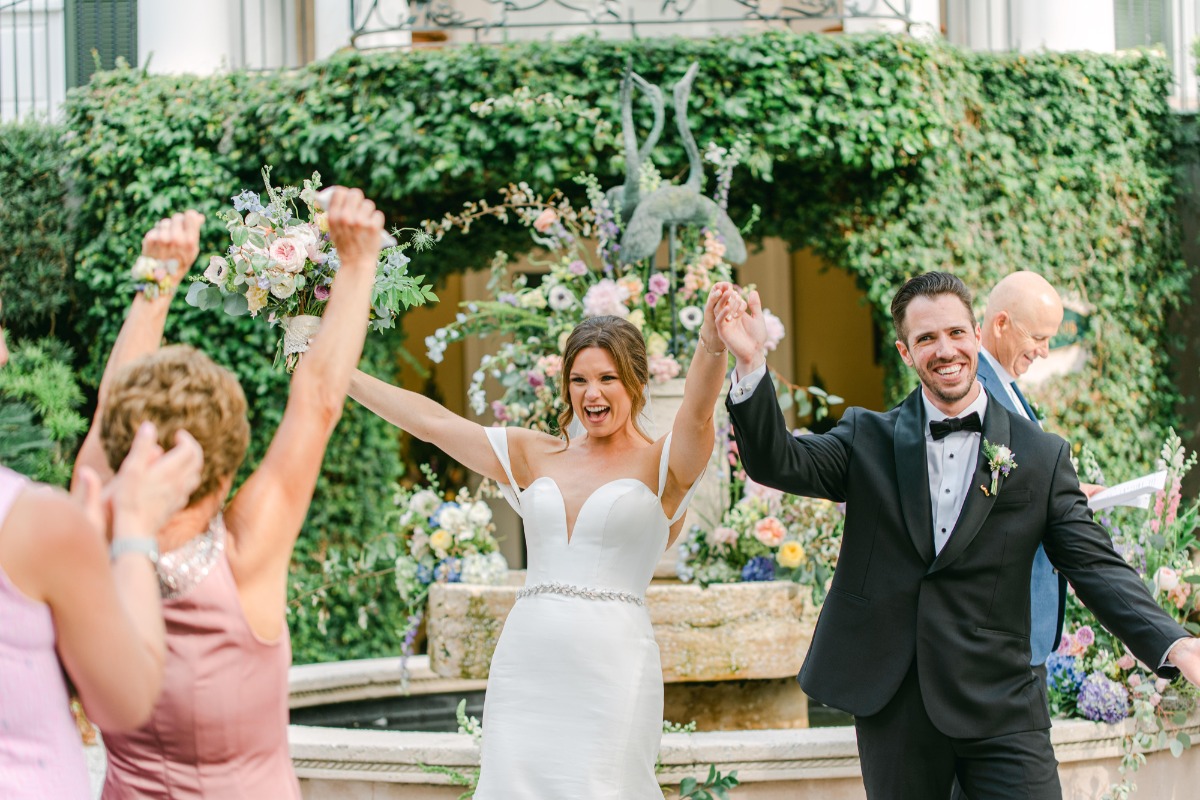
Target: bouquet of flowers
[
  {"x": 1092, "y": 675},
  {"x": 281, "y": 260},
  {"x": 585, "y": 276}
]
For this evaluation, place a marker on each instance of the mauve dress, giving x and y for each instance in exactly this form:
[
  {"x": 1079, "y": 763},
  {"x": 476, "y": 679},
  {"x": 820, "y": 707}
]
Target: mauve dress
[
  {"x": 219, "y": 729},
  {"x": 41, "y": 755}
]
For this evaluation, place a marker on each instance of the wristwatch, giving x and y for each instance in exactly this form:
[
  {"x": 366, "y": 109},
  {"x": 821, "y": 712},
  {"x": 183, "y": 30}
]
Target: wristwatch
[{"x": 147, "y": 546}]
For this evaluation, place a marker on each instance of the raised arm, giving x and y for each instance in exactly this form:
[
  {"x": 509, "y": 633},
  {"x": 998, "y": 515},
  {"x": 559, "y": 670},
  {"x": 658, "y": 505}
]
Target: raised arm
[
  {"x": 693, "y": 432},
  {"x": 265, "y": 516},
  {"x": 108, "y": 620},
  {"x": 173, "y": 242}
]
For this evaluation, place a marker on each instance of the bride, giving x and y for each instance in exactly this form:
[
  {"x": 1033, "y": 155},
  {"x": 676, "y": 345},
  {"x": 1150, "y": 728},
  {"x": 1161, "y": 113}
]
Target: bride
[{"x": 575, "y": 694}]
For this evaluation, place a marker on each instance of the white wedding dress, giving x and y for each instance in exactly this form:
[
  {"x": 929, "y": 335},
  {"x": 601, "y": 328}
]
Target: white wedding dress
[{"x": 574, "y": 703}]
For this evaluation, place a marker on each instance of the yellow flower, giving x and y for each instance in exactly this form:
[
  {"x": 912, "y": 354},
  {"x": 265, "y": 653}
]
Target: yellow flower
[
  {"x": 656, "y": 344},
  {"x": 637, "y": 319},
  {"x": 441, "y": 540},
  {"x": 790, "y": 555},
  {"x": 256, "y": 298},
  {"x": 322, "y": 222}
]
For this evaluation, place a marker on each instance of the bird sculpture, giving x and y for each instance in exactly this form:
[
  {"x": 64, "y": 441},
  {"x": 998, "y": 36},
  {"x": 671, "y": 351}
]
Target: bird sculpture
[
  {"x": 678, "y": 205},
  {"x": 623, "y": 198}
]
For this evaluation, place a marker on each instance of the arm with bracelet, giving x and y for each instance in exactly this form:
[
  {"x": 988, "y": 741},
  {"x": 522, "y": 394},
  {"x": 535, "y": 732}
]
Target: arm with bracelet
[{"x": 168, "y": 251}]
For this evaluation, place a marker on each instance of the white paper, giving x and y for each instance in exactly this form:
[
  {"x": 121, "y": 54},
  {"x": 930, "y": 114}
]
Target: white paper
[
  {"x": 386, "y": 240},
  {"x": 1135, "y": 493}
]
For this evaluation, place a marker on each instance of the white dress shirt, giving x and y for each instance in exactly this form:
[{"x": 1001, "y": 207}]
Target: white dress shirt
[{"x": 951, "y": 465}]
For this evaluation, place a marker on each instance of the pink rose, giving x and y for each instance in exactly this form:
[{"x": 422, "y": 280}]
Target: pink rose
[
  {"x": 724, "y": 535},
  {"x": 1126, "y": 662},
  {"x": 659, "y": 283},
  {"x": 1085, "y": 636},
  {"x": 1166, "y": 579},
  {"x": 577, "y": 267},
  {"x": 754, "y": 489},
  {"x": 1134, "y": 681},
  {"x": 1161, "y": 684},
  {"x": 288, "y": 254},
  {"x": 1155, "y": 699},
  {"x": 769, "y": 531},
  {"x": 545, "y": 220}
]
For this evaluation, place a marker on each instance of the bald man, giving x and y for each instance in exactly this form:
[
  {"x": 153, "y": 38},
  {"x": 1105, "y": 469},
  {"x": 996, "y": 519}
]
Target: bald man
[{"x": 1023, "y": 314}]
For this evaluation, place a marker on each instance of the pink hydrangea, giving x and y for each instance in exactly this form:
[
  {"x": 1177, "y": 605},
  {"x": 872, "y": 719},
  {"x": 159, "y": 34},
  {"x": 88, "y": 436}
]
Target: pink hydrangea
[
  {"x": 605, "y": 298},
  {"x": 769, "y": 531},
  {"x": 663, "y": 368},
  {"x": 775, "y": 330}
]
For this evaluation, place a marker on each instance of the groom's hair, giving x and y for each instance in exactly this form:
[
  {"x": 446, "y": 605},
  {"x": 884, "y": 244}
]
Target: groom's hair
[{"x": 930, "y": 284}]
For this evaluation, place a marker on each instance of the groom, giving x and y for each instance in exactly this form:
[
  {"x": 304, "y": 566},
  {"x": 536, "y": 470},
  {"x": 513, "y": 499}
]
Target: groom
[{"x": 924, "y": 635}]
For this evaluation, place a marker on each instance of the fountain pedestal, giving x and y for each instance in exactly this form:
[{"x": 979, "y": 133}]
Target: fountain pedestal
[{"x": 730, "y": 652}]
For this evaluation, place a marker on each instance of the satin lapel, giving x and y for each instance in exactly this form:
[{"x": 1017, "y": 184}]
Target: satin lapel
[
  {"x": 977, "y": 505},
  {"x": 912, "y": 476}
]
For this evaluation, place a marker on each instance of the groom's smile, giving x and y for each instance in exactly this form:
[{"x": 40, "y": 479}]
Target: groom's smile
[{"x": 943, "y": 347}]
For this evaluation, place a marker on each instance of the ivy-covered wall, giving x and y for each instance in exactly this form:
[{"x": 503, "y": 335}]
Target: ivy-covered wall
[{"x": 888, "y": 156}]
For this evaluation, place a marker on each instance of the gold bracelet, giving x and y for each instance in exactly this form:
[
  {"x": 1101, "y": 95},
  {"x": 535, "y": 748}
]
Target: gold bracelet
[{"x": 704, "y": 345}]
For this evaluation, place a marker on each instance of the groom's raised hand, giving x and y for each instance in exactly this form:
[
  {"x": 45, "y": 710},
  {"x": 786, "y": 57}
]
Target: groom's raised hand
[
  {"x": 1186, "y": 656},
  {"x": 745, "y": 335}
]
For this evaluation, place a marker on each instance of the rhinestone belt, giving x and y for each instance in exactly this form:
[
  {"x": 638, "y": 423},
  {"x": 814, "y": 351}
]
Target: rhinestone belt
[{"x": 570, "y": 590}]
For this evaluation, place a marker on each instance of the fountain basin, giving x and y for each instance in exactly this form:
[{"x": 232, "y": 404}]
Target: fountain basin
[{"x": 808, "y": 764}]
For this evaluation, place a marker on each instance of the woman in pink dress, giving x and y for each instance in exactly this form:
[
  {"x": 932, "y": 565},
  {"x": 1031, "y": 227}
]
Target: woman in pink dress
[
  {"x": 219, "y": 729},
  {"x": 62, "y": 601}
]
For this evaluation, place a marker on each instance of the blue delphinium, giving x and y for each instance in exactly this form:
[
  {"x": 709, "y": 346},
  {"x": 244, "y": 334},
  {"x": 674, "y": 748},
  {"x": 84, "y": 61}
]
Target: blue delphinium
[
  {"x": 1103, "y": 700},
  {"x": 449, "y": 570},
  {"x": 247, "y": 201},
  {"x": 1063, "y": 674},
  {"x": 424, "y": 573},
  {"x": 759, "y": 568}
]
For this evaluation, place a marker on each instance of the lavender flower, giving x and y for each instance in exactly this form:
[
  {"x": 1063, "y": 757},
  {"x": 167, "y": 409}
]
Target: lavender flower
[
  {"x": 246, "y": 201},
  {"x": 759, "y": 568},
  {"x": 1103, "y": 700}
]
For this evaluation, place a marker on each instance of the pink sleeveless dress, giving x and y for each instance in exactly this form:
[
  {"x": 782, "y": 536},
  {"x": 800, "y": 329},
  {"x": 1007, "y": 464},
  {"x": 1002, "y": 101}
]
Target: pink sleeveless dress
[
  {"x": 219, "y": 729},
  {"x": 41, "y": 756}
]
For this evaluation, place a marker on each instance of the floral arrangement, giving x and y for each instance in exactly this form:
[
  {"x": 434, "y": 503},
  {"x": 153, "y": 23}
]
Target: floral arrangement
[
  {"x": 282, "y": 261},
  {"x": 585, "y": 276},
  {"x": 1092, "y": 675},
  {"x": 434, "y": 537},
  {"x": 765, "y": 535}
]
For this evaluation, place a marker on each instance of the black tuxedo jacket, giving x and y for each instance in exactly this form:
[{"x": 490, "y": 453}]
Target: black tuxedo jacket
[{"x": 964, "y": 615}]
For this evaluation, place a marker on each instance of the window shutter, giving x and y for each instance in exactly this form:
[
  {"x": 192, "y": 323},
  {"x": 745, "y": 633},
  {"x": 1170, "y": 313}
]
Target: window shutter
[
  {"x": 1141, "y": 23},
  {"x": 103, "y": 30}
]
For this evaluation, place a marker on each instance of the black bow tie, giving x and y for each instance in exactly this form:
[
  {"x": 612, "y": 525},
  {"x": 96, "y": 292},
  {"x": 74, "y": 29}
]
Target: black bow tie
[{"x": 942, "y": 429}]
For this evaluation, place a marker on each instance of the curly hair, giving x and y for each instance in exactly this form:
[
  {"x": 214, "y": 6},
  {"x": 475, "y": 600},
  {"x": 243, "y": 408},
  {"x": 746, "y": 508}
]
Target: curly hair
[
  {"x": 621, "y": 340},
  {"x": 178, "y": 387}
]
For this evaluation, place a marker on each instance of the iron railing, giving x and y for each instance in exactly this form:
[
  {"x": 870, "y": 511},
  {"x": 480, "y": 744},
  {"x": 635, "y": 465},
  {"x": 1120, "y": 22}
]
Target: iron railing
[{"x": 376, "y": 22}]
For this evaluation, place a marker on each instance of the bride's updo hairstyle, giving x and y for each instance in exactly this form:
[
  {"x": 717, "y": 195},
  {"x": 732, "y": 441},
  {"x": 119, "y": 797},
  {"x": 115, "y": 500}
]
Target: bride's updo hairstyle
[
  {"x": 179, "y": 388},
  {"x": 621, "y": 340}
]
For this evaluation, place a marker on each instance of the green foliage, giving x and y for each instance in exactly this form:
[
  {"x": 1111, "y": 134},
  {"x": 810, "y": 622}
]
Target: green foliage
[
  {"x": 715, "y": 787},
  {"x": 887, "y": 156},
  {"x": 41, "y": 397},
  {"x": 34, "y": 215}
]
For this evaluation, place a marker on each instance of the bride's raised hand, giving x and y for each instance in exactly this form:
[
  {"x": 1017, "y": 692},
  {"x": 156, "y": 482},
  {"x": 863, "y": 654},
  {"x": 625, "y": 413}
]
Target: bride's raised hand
[{"x": 718, "y": 298}]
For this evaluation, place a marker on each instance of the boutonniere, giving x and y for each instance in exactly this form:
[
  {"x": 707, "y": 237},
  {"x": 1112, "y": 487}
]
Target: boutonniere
[
  {"x": 1039, "y": 413},
  {"x": 1000, "y": 461}
]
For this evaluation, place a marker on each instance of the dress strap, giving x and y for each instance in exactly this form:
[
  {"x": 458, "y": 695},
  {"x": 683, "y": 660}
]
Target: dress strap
[
  {"x": 11, "y": 485},
  {"x": 664, "y": 463},
  {"x": 498, "y": 438},
  {"x": 663, "y": 468}
]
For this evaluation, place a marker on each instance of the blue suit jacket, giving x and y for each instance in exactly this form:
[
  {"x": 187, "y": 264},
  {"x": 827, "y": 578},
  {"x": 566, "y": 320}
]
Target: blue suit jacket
[{"x": 1047, "y": 589}]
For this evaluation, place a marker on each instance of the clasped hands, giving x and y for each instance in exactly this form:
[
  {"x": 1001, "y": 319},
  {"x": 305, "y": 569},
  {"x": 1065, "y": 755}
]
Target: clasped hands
[{"x": 733, "y": 320}]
